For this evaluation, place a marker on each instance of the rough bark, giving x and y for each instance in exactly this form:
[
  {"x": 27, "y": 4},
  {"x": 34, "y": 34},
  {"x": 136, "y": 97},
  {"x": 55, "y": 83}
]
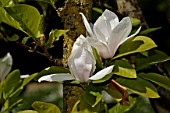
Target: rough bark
[
  {"x": 73, "y": 21},
  {"x": 131, "y": 8}
]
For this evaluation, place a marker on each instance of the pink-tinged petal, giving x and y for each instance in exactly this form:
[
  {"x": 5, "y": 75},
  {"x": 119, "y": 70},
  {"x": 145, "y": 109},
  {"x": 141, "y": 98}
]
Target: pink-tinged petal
[
  {"x": 119, "y": 34},
  {"x": 102, "y": 73},
  {"x": 104, "y": 25},
  {"x": 87, "y": 25},
  {"x": 59, "y": 77},
  {"x": 5, "y": 65}
]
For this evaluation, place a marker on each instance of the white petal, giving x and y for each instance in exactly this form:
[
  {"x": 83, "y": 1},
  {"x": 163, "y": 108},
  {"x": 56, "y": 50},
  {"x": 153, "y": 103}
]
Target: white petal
[
  {"x": 24, "y": 76},
  {"x": 119, "y": 34},
  {"x": 87, "y": 25},
  {"x": 104, "y": 25},
  {"x": 134, "y": 33},
  {"x": 59, "y": 77},
  {"x": 101, "y": 47},
  {"x": 5, "y": 65},
  {"x": 102, "y": 73}
]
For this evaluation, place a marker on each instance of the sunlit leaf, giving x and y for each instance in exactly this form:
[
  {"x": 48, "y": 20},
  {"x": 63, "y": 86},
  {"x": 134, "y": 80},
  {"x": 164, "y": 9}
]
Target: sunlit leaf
[
  {"x": 124, "y": 69},
  {"x": 145, "y": 32},
  {"x": 43, "y": 107},
  {"x": 55, "y": 35},
  {"x": 11, "y": 82},
  {"x": 25, "y": 39},
  {"x": 135, "y": 21},
  {"x": 7, "y": 3},
  {"x": 7, "y": 19},
  {"x": 153, "y": 57},
  {"x": 27, "y": 111},
  {"x": 161, "y": 80},
  {"x": 134, "y": 45},
  {"x": 97, "y": 10},
  {"x": 28, "y": 16},
  {"x": 139, "y": 86}
]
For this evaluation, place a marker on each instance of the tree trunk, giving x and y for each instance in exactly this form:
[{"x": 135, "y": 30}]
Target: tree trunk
[
  {"x": 131, "y": 8},
  {"x": 72, "y": 20}
]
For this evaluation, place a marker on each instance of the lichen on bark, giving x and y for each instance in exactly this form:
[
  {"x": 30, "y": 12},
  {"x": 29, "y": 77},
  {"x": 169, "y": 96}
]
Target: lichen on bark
[{"x": 72, "y": 20}]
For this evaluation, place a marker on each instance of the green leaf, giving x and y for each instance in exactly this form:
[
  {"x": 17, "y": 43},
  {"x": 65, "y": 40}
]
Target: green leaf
[
  {"x": 28, "y": 16},
  {"x": 25, "y": 39},
  {"x": 99, "y": 64},
  {"x": 118, "y": 108},
  {"x": 134, "y": 45},
  {"x": 135, "y": 21},
  {"x": 14, "y": 37},
  {"x": 52, "y": 70},
  {"x": 161, "y": 80},
  {"x": 97, "y": 10},
  {"x": 114, "y": 93},
  {"x": 11, "y": 82},
  {"x": 124, "y": 69},
  {"x": 145, "y": 32},
  {"x": 139, "y": 86},
  {"x": 7, "y": 3},
  {"x": 55, "y": 35},
  {"x": 86, "y": 104},
  {"x": 43, "y": 107},
  {"x": 153, "y": 57},
  {"x": 7, "y": 19},
  {"x": 27, "y": 111}
]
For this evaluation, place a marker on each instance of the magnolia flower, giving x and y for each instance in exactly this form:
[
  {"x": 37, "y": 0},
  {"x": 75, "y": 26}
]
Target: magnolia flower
[
  {"x": 107, "y": 33},
  {"x": 5, "y": 66},
  {"x": 81, "y": 64}
]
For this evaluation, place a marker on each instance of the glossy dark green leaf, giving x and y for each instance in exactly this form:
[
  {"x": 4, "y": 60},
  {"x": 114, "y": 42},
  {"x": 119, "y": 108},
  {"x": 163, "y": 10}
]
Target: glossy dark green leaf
[
  {"x": 161, "y": 80},
  {"x": 139, "y": 86},
  {"x": 145, "y": 32},
  {"x": 28, "y": 16},
  {"x": 118, "y": 108},
  {"x": 153, "y": 57},
  {"x": 134, "y": 45},
  {"x": 42, "y": 107},
  {"x": 114, "y": 93}
]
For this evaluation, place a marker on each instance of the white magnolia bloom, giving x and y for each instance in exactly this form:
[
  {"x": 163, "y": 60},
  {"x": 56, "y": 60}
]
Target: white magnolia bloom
[
  {"x": 81, "y": 64},
  {"x": 5, "y": 66},
  {"x": 107, "y": 33}
]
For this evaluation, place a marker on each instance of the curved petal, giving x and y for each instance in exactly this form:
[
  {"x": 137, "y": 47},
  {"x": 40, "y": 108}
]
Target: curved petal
[
  {"x": 119, "y": 34},
  {"x": 138, "y": 30},
  {"x": 59, "y": 77},
  {"x": 82, "y": 61},
  {"x": 5, "y": 65},
  {"x": 101, "y": 47},
  {"x": 104, "y": 25},
  {"x": 102, "y": 73},
  {"x": 87, "y": 25}
]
